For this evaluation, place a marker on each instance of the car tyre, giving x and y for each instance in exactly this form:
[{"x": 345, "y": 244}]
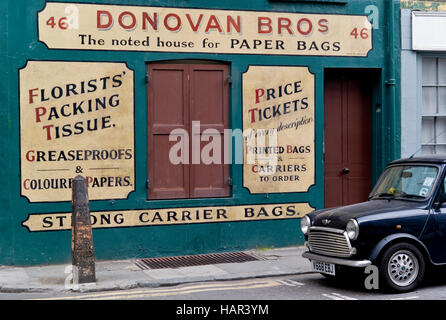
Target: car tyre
[{"x": 401, "y": 267}]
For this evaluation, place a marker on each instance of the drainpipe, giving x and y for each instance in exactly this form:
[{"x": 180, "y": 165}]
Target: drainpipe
[{"x": 391, "y": 85}]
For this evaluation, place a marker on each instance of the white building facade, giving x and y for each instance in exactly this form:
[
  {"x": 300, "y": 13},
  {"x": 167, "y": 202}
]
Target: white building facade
[{"x": 423, "y": 82}]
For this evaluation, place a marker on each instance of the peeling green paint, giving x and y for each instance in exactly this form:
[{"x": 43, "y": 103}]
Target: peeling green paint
[{"x": 424, "y": 5}]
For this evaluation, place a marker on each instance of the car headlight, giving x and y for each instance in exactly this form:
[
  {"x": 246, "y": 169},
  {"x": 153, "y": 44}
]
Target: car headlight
[
  {"x": 305, "y": 224},
  {"x": 352, "y": 229}
]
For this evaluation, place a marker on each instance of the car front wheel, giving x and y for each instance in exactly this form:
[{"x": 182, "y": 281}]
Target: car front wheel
[{"x": 402, "y": 267}]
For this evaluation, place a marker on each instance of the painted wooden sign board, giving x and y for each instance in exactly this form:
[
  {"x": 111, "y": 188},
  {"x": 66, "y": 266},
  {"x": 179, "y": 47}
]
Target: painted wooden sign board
[
  {"x": 156, "y": 217},
  {"x": 278, "y": 126},
  {"x": 76, "y": 118},
  {"x": 164, "y": 29}
]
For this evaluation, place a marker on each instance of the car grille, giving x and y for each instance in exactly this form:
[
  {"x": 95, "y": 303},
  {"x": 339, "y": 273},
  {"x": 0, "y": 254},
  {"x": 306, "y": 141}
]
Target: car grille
[{"x": 329, "y": 242}]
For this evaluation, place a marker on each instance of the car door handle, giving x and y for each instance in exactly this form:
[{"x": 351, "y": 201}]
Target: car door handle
[{"x": 345, "y": 171}]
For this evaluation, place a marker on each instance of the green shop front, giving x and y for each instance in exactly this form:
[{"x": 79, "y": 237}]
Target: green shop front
[{"x": 199, "y": 127}]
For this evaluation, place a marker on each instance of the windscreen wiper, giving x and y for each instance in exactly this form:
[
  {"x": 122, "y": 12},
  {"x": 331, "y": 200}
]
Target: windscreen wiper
[
  {"x": 413, "y": 196},
  {"x": 384, "y": 194}
]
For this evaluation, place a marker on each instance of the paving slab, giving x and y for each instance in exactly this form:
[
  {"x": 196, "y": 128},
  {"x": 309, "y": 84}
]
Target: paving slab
[{"x": 125, "y": 274}]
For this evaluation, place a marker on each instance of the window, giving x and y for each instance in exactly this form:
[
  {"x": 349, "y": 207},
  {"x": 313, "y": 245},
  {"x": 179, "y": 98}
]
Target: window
[
  {"x": 406, "y": 181},
  {"x": 179, "y": 94},
  {"x": 433, "y": 110}
]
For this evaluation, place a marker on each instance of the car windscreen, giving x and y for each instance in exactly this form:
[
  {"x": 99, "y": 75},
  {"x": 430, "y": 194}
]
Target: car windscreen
[{"x": 406, "y": 181}]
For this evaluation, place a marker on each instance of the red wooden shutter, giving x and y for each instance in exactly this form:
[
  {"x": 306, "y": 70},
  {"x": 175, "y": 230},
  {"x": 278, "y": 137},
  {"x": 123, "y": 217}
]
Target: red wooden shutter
[
  {"x": 177, "y": 95},
  {"x": 209, "y": 105},
  {"x": 168, "y": 109}
]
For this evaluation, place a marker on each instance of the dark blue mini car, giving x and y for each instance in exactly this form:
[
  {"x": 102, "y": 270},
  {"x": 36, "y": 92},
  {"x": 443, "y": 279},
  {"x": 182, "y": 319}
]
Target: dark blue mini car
[{"x": 401, "y": 229}]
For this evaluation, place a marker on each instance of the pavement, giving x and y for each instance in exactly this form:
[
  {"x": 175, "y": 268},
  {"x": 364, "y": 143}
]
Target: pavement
[{"x": 126, "y": 274}]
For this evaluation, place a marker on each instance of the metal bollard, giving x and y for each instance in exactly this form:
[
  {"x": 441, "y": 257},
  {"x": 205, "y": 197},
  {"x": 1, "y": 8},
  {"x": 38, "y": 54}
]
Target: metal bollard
[{"x": 82, "y": 250}]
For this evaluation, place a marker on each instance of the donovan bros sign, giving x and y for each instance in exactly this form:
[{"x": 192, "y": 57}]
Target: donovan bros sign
[{"x": 163, "y": 29}]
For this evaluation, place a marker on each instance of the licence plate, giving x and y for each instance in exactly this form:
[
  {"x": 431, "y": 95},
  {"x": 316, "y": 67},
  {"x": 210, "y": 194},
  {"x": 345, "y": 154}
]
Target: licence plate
[{"x": 324, "y": 267}]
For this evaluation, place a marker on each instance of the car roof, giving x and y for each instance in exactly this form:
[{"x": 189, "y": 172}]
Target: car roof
[{"x": 431, "y": 158}]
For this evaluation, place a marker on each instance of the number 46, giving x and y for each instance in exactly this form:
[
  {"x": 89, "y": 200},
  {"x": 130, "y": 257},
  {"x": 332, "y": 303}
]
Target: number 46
[
  {"x": 71, "y": 21},
  {"x": 363, "y": 33}
]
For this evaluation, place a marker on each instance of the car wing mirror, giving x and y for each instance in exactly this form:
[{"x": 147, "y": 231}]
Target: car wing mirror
[
  {"x": 441, "y": 198},
  {"x": 406, "y": 174}
]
